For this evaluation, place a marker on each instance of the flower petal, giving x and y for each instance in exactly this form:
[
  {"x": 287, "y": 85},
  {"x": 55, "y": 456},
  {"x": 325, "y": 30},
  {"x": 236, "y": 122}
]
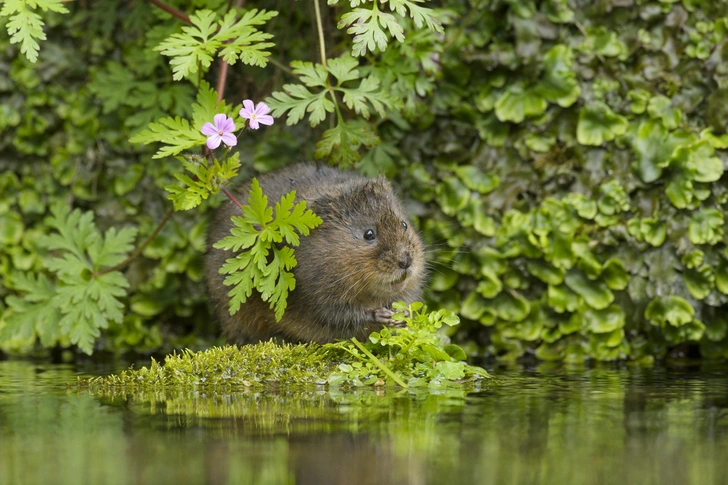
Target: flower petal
[
  {"x": 229, "y": 126},
  {"x": 229, "y": 139},
  {"x": 254, "y": 124},
  {"x": 208, "y": 129},
  {"x": 262, "y": 109},
  {"x": 220, "y": 120},
  {"x": 265, "y": 120},
  {"x": 214, "y": 141},
  {"x": 248, "y": 107}
]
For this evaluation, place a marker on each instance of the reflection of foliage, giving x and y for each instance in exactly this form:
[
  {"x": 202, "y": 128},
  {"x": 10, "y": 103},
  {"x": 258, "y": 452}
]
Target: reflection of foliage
[{"x": 280, "y": 436}]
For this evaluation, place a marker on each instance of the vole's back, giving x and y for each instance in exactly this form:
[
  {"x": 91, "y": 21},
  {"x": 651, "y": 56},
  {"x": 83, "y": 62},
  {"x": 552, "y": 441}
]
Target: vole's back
[{"x": 363, "y": 257}]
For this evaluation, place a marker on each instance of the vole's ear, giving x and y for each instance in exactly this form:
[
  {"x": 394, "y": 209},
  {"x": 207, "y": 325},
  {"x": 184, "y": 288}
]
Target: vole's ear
[{"x": 379, "y": 184}]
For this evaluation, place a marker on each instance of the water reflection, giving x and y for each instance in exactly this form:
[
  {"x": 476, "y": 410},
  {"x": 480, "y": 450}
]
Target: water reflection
[{"x": 543, "y": 426}]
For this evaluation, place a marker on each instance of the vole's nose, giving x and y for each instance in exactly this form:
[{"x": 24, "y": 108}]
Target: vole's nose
[{"x": 405, "y": 260}]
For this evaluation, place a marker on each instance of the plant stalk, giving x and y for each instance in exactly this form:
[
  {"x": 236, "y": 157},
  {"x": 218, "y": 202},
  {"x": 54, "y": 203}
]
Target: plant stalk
[
  {"x": 379, "y": 363},
  {"x": 320, "y": 28}
]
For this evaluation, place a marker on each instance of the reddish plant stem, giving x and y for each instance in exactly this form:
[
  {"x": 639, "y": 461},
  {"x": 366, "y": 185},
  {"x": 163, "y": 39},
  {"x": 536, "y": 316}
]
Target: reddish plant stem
[
  {"x": 172, "y": 11},
  {"x": 222, "y": 80},
  {"x": 232, "y": 198}
]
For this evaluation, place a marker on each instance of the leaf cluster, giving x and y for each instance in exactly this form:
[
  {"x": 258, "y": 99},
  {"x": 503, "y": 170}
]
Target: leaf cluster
[
  {"x": 373, "y": 28},
  {"x": 230, "y": 38},
  {"x": 25, "y": 25},
  {"x": 80, "y": 299},
  {"x": 264, "y": 239},
  {"x": 342, "y": 142},
  {"x": 416, "y": 354}
]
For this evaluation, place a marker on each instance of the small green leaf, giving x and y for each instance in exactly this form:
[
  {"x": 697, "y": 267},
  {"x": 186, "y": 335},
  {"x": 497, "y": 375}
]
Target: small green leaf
[
  {"x": 603, "y": 321},
  {"x": 517, "y": 103},
  {"x": 476, "y": 179},
  {"x": 559, "y": 83},
  {"x": 596, "y": 293},
  {"x": 452, "y": 195},
  {"x": 598, "y": 124},
  {"x": 671, "y": 310},
  {"x": 545, "y": 272},
  {"x": 699, "y": 281},
  {"x": 706, "y": 227}
]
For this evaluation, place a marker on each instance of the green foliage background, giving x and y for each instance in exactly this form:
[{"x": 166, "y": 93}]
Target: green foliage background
[{"x": 563, "y": 159}]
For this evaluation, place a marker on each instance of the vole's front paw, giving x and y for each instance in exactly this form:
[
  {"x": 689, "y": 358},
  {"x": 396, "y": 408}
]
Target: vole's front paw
[{"x": 384, "y": 316}]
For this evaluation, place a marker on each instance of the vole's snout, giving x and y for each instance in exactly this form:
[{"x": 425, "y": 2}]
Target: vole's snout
[{"x": 405, "y": 260}]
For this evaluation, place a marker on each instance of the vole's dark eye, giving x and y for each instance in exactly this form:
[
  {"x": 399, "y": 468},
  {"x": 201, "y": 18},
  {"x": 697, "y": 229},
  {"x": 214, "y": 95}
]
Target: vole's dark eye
[
  {"x": 369, "y": 235},
  {"x": 404, "y": 224}
]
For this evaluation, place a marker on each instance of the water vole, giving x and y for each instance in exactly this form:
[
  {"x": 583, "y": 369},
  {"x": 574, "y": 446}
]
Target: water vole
[{"x": 364, "y": 256}]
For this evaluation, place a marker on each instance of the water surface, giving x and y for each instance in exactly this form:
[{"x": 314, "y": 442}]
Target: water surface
[{"x": 545, "y": 425}]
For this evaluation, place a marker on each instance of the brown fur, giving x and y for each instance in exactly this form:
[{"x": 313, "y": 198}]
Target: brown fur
[{"x": 341, "y": 278}]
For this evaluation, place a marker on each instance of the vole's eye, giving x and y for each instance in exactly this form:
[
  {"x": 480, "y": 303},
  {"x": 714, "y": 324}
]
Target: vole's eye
[
  {"x": 369, "y": 235},
  {"x": 404, "y": 224}
]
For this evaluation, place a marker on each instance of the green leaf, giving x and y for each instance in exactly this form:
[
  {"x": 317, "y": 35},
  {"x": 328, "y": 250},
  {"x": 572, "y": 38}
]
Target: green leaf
[
  {"x": 671, "y": 310},
  {"x": 368, "y": 93},
  {"x": 654, "y": 147},
  {"x": 297, "y": 101},
  {"x": 452, "y": 195},
  {"x": 33, "y": 315},
  {"x": 615, "y": 275},
  {"x": 490, "y": 284},
  {"x": 473, "y": 306},
  {"x": 262, "y": 264},
  {"x": 545, "y": 272},
  {"x": 342, "y": 143},
  {"x": 559, "y": 83},
  {"x": 595, "y": 293},
  {"x": 680, "y": 191},
  {"x": 369, "y": 28},
  {"x": 692, "y": 331},
  {"x": 517, "y": 103},
  {"x": 603, "y": 321},
  {"x": 199, "y": 43},
  {"x": 476, "y": 179},
  {"x": 242, "y": 41},
  {"x": 699, "y": 281},
  {"x": 11, "y": 228},
  {"x": 598, "y": 124},
  {"x": 175, "y": 133},
  {"x": 613, "y": 198},
  {"x": 208, "y": 179},
  {"x": 561, "y": 299},
  {"x": 87, "y": 301},
  {"x": 721, "y": 277},
  {"x": 706, "y": 227},
  {"x": 661, "y": 107},
  {"x": 511, "y": 306},
  {"x": 653, "y": 231},
  {"x": 25, "y": 26}
]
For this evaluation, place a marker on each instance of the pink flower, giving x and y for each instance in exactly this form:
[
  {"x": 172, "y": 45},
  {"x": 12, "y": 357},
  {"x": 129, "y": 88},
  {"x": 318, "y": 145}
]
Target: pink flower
[
  {"x": 222, "y": 130},
  {"x": 256, "y": 114}
]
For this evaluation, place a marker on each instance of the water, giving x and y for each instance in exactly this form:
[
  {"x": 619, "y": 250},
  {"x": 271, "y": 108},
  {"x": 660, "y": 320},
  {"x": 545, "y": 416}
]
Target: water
[{"x": 548, "y": 425}]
